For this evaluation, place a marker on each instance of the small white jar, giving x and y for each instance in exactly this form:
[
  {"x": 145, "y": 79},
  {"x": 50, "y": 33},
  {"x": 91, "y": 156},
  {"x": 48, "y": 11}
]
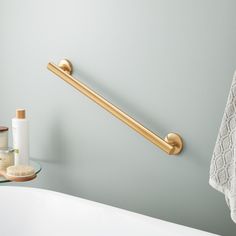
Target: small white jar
[
  {"x": 6, "y": 158},
  {"x": 3, "y": 137}
]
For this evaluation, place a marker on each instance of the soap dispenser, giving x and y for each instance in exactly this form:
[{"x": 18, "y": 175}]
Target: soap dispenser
[{"x": 20, "y": 137}]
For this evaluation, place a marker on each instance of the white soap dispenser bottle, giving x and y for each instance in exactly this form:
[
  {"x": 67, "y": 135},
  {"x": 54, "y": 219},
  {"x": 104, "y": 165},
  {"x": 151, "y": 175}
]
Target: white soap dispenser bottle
[{"x": 20, "y": 138}]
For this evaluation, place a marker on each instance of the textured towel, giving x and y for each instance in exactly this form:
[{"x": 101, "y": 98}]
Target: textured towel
[{"x": 223, "y": 164}]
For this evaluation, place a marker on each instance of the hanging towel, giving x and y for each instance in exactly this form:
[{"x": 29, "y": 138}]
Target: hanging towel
[{"x": 223, "y": 164}]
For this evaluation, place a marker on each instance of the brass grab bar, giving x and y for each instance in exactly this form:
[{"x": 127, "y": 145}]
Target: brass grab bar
[{"x": 172, "y": 144}]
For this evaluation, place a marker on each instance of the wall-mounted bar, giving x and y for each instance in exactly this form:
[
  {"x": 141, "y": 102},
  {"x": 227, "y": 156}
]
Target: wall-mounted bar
[{"x": 172, "y": 144}]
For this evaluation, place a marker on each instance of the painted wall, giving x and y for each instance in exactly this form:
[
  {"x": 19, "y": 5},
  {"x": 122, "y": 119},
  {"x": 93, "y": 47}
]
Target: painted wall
[{"x": 169, "y": 64}]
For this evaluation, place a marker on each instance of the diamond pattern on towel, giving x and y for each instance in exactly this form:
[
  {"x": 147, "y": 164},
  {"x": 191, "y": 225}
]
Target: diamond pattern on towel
[{"x": 223, "y": 163}]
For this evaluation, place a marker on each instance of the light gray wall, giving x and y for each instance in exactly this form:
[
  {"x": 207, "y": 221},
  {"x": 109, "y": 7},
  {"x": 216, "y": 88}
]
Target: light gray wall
[{"x": 169, "y": 64}]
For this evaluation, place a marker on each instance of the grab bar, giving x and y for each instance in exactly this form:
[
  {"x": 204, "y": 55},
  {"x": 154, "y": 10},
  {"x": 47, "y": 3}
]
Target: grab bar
[{"x": 172, "y": 144}]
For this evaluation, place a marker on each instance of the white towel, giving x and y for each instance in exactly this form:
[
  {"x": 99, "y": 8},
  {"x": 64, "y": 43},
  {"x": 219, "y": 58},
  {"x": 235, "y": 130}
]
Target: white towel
[{"x": 223, "y": 164}]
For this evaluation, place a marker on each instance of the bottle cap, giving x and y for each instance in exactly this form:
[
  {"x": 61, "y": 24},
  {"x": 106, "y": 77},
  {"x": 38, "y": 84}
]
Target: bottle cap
[{"x": 20, "y": 113}]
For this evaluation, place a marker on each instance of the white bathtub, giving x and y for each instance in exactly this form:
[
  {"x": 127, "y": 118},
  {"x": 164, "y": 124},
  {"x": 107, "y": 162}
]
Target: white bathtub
[{"x": 33, "y": 212}]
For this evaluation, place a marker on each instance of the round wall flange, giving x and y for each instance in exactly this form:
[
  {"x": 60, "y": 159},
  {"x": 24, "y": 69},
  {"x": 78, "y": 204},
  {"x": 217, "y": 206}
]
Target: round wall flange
[
  {"x": 176, "y": 141},
  {"x": 66, "y": 65}
]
